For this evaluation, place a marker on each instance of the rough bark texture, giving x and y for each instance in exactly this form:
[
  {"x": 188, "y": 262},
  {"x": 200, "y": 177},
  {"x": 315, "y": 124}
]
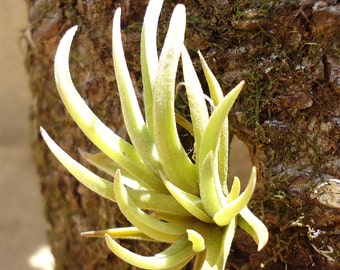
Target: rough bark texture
[{"x": 288, "y": 115}]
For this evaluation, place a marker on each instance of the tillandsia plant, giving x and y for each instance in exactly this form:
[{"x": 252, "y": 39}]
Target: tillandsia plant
[{"x": 166, "y": 195}]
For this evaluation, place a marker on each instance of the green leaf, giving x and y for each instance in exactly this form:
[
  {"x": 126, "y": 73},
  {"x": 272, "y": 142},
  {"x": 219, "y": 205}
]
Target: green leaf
[
  {"x": 103, "y": 162},
  {"x": 197, "y": 104},
  {"x": 235, "y": 190},
  {"x": 92, "y": 181},
  {"x": 214, "y": 244},
  {"x": 149, "y": 57},
  {"x": 133, "y": 119},
  {"x": 218, "y": 247},
  {"x": 178, "y": 253},
  {"x": 161, "y": 203},
  {"x": 227, "y": 239},
  {"x": 211, "y": 192},
  {"x": 217, "y": 96},
  {"x": 216, "y": 133},
  {"x": 223, "y": 154},
  {"x": 215, "y": 89},
  {"x": 233, "y": 208},
  {"x": 177, "y": 166},
  {"x": 104, "y": 138},
  {"x": 131, "y": 233},
  {"x": 254, "y": 226},
  {"x": 190, "y": 202},
  {"x": 154, "y": 228},
  {"x": 197, "y": 240},
  {"x": 213, "y": 129}
]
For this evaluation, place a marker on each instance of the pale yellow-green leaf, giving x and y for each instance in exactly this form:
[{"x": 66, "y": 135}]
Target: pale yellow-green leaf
[
  {"x": 217, "y": 96},
  {"x": 103, "y": 137},
  {"x": 173, "y": 256},
  {"x": 176, "y": 165},
  {"x": 161, "y": 203},
  {"x": 215, "y": 89},
  {"x": 254, "y": 226},
  {"x": 225, "y": 215},
  {"x": 197, "y": 240},
  {"x": 190, "y": 202},
  {"x": 197, "y": 104},
  {"x": 150, "y": 226},
  {"x": 214, "y": 127},
  {"x": 104, "y": 163},
  {"x": 133, "y": 119},
  {"x": 211, "y": 193},
  {"x": 131, "y": 233},
  {"x": 149, "y": 57},
  {"x": 92, "y": 181},
  {"x": 235, "y": 190},
  {"x": 227, "y": 239},
  {"x": 214, "y": 245}
]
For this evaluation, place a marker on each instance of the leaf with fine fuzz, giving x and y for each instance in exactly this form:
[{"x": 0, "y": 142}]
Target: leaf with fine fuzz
[
  {"x": 131, "y": 233},
  {"x": 142, "y": 198},
  {"x": 215, "y": 89},
  {"x": 227, "y": 240},
  {"x": 92, "y": 181},
  {"x": 190, "y": 202},
  {"x": 176, "y": 164},
  {"x": 150, "y": 226},
  {"x": 197, "y": 240},
  {"x": 149, "y": 57},
  {"x": 211, "y": 193},
  {"x": 178, "y": 253},
  {"x": 215, "y": 137},
  {"x": 153, "y": 201},
  {"x": 197, "y": 104},
  {"x": 214, "y": 127},
  {"x": 235, "y": 190},
  {"x": 217, "y": 96},
  {"x": 254, "y": 226},
  {"x": 225, "y": 215},
  {"x": 106, "y": 164},
  {"x": 104, "y": 138},
  {"x": 133, "y": 119}
]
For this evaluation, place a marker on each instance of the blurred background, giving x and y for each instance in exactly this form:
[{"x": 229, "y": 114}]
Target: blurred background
[{"x": 23, "y": 241}]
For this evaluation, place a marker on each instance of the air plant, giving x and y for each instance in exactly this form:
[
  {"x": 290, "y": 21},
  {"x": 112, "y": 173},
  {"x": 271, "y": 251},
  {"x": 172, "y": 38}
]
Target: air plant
[{"x": 166, "y": 195}]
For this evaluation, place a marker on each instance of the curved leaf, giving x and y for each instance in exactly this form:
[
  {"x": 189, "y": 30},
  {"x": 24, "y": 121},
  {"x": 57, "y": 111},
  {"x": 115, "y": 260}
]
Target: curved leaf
[
  {"x": 160, "y": 203},
  {"x": 213, "y": 129},
  {"x": 175, "y": 255},
  {"x": 225, "y": 215},
  {"x": 92, "y": 181},
  {"x": 235, "y": 190},
  {"x": 227, "y": 239},
  {"x": 104, "y": 138},
  {"x": 190, "y": 202},
  {"x": 149, "y": 57},
  {"x": 131, "y": 233},
  {"x": 254, "y": 226},
  {"x": 133, "y": 119},
  {"x": 211, "y": 193},
  {"x": 154, "y": 228},
  {"x": 197, "y": 240},
  {"x": 176, "y": 165},
  {"x": 198, "y": 108}
]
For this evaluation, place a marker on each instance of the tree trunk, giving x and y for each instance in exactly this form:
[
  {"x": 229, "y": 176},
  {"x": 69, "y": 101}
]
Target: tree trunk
[{"x": 288, "y": 115}]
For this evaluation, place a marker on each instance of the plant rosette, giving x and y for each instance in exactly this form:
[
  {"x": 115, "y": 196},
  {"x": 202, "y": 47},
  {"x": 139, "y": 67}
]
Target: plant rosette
[{"x": 166, "y": 195}]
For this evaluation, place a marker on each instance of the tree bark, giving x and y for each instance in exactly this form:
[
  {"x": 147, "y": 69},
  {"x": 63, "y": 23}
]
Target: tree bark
[{"x": 288, "y": 115}]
